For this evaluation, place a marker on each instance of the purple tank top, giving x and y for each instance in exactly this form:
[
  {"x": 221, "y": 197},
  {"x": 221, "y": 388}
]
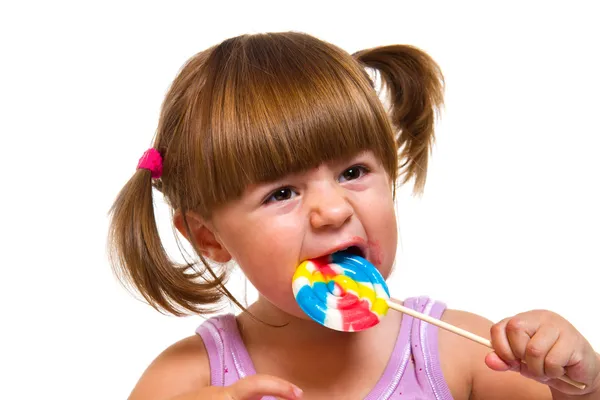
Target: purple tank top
[{"x": 413, "y": 370}]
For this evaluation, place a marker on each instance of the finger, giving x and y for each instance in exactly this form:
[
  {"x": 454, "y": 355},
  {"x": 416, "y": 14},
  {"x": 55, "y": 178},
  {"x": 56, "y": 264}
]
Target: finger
[
  {"x": 558, "y": 358},
  {"x": 501, "y": 344},
  {"x": 519, "y": 332},
  {"x": 538, "y": 347},
  {"x": 526, "y": 372},
  {"x": 255, "y": 387}
]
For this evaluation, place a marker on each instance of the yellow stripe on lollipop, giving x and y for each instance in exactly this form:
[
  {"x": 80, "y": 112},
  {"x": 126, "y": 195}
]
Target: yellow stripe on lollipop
[
  {"x": 346, "y": 283},
  {"x": 380, "y": 307},
  {"x": 317, "y": 276},
  {"x": 302, "y": 271},
  {"x": 366, "y": 292}
]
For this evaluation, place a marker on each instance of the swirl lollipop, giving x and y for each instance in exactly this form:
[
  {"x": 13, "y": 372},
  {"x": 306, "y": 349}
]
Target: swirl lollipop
[
  {"x": 342, "y": 292},
  {"x": 347, "y": 293}
]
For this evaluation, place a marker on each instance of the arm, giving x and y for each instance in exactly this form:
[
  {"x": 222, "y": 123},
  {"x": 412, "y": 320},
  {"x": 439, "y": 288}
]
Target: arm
[{"x": 180, "y": 369}]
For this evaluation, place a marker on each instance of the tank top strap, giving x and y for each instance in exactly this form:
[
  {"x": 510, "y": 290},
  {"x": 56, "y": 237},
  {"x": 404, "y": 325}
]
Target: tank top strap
[
  {"x": 227, "y": 355},
  {"x": 424, "y": 346}
]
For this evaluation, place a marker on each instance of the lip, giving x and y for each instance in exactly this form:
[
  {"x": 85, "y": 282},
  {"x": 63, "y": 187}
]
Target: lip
[{"x": 356, "y": 241}]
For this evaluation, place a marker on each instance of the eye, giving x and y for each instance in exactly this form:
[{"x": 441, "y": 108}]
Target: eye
[
  {"x": 281, "y": 194},
  {"x": 354, "y": 172}
]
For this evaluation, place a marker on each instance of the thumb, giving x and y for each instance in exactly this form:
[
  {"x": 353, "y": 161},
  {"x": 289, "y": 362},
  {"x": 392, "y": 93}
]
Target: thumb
[
  {"x": 254, "y": 387},
  {"x": 493, "y": 361}
]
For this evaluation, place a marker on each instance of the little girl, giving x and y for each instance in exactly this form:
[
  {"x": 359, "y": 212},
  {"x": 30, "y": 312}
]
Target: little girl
[{"x": 275, "y": 148}]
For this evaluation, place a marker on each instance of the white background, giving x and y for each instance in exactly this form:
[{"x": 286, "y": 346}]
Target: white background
[{"x": 509, "y": 220}]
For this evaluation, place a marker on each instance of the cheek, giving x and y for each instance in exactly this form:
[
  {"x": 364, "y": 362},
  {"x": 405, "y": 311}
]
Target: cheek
[
  {"x": 383, "y": 246},
  {"x": 278, "y": 290},
  {"x": 268, "y": 256},
  {"x": 273, "y": 280},
  {"x": 383, "y": 236},
  {"x": 268, "y": 243},
  {"x": 390, "y": 243}
]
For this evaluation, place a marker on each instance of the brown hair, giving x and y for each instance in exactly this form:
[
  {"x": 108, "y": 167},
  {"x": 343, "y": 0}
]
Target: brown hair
[{"x": 253, "y": 109}]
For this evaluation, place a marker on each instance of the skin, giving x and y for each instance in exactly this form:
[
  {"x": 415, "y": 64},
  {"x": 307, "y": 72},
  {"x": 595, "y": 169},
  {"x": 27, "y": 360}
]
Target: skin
[{"x": 311, "y": 214}]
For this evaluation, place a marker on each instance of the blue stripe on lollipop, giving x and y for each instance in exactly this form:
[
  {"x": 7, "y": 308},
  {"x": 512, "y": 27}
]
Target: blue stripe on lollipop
[
  {"x": 359, "y": 269},
  {"x": 311, "y": 304}
]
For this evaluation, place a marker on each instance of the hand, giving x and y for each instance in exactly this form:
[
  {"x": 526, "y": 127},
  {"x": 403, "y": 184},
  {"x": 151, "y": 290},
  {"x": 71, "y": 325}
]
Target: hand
[
  {"x": 253, "y": 387},
  {"x": 549, "y": 346}
]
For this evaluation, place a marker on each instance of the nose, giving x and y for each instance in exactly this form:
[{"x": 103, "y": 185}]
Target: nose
[{"x": 329, "y": 207}]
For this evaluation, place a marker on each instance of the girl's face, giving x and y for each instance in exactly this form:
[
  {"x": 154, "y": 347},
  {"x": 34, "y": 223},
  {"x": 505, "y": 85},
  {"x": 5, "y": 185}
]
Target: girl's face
[{"x": 275, "y": 226}]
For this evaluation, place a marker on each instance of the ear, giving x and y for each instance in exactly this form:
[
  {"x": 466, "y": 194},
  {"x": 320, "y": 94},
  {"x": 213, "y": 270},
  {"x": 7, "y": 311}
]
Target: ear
[{"x": 202, "y": 235}]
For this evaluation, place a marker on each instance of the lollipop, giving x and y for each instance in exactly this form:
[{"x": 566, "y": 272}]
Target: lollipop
[
  {"x": 347, "y": 293},
  {"x": 341, "y": 291}
]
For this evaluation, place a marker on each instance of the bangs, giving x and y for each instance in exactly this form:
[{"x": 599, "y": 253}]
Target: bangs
[{"x": 283, "y": 105}]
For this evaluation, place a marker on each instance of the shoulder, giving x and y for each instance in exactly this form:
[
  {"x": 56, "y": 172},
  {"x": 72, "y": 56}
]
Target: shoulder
[
  {"x": 465, "y": 362},
  {"x": 181, "y": 368}
]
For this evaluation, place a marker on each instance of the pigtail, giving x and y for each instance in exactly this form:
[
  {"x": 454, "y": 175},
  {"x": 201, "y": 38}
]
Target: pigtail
[
  {"x": 415, "y": 83},
  {"x": 140, "y": 261}
]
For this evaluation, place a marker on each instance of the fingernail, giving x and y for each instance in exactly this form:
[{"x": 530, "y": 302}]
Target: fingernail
[{"x": 297, "y": 391}]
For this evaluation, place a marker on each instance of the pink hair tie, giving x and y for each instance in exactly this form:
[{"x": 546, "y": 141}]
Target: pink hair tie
[{"x": 152, "y": 161}]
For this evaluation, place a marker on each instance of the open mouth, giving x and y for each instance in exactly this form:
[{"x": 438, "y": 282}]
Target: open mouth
[{"x": 354, "y": 250}]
